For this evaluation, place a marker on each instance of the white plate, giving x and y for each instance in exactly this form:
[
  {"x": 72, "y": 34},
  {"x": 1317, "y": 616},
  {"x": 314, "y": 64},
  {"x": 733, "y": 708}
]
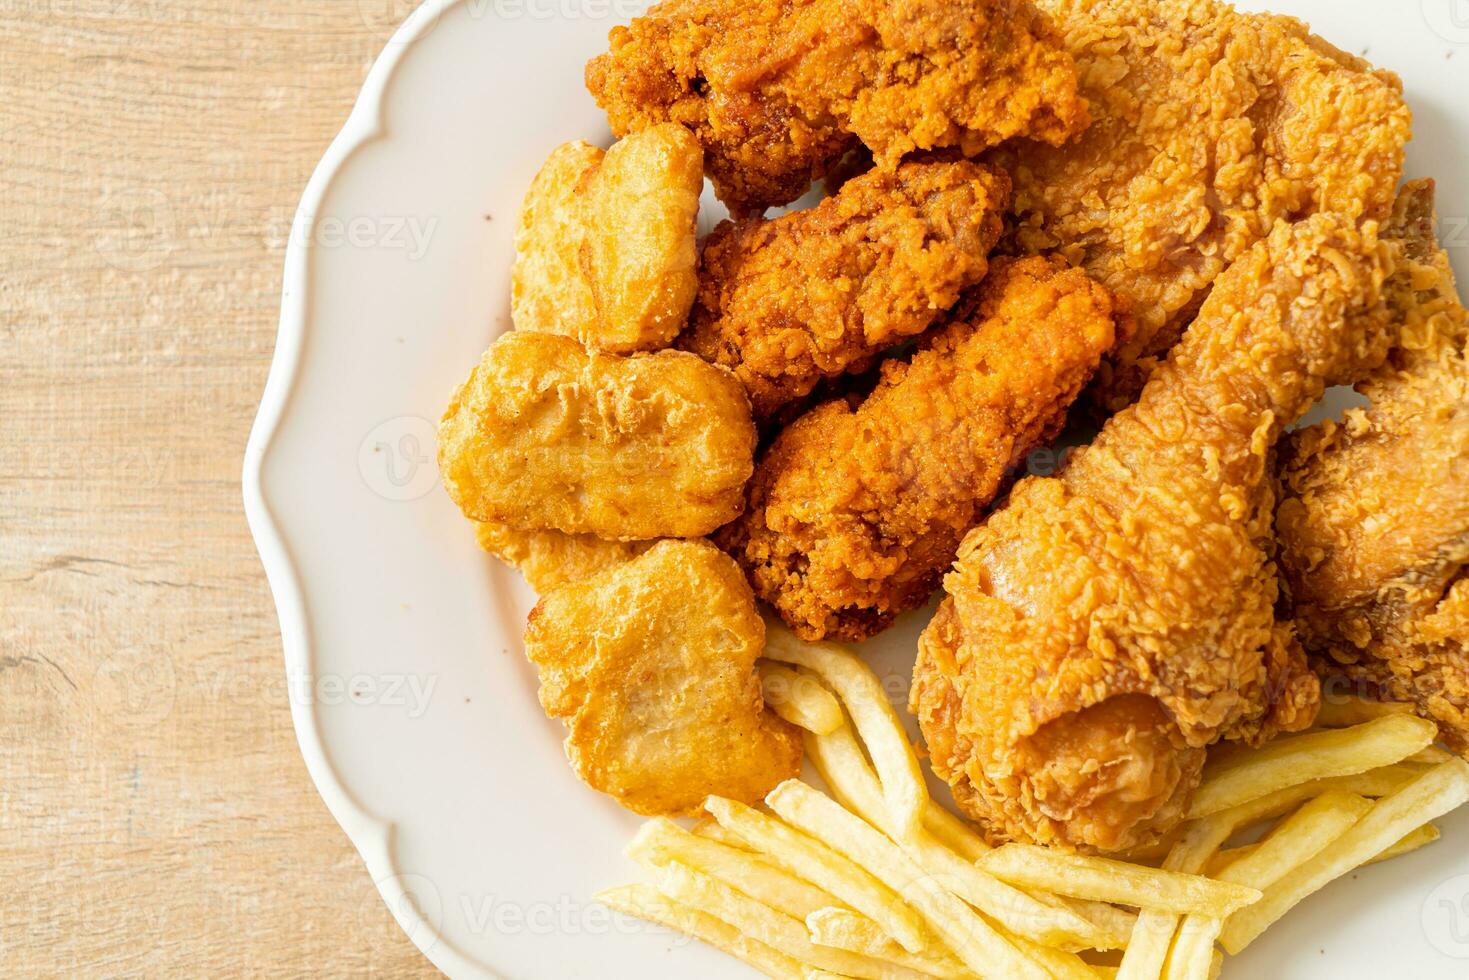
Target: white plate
[{"x": 415, "y": 710}]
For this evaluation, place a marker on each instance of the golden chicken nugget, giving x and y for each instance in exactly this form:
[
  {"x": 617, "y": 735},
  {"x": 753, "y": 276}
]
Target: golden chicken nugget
[
  {"x": 551, "y": 559},
  {"x": 546, "y": 434},
  {"x": 651, "y": 665},
  {"x": 605, "y": 242}
]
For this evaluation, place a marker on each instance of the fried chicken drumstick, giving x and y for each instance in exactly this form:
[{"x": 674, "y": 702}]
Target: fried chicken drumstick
[
  {"x": 1374, "y": 524},
  {"x": 1208, "y": 126},
  {"x": 1108, "y": 623},
  {"x": 787, "y": 303},
  {"x": 777, "y": 91},
  {"x": 855, "y": 512}
]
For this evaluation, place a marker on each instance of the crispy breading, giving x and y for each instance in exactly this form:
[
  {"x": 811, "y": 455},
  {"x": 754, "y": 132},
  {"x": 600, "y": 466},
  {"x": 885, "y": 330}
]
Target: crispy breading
[
  {"x": 815, "y": 294},
  {"x": 1374, "y": 524},
  {"x": 1107, "y": 624},
  {"x": 777, "y": 91},
  {"x": 651, "y": 665},
  {"x": 605, "y": 246},
  {"x": 1208, "y": 126},
  {"x": 855, "y": 512},
  {"x": 546, "y": 434},
  {"x": 551, "y": 559}
]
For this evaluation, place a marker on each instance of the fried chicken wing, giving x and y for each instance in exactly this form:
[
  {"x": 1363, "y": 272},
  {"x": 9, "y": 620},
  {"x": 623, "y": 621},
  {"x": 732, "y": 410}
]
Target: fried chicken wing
[
  {"x": 605, "y": 246},
  {"x": 551, "y": 559},
  {"x": 818, "y": 293},
  {"x": 546, "y": 435},
  {"x": 651, "y": 665},
  {"x": 777, "y": 91},
  {"x": 1107, "y": 624},
  {"x": 1374, "y": 523},
  {"x": 855, "y": 512},
  {"x": 1208, "y": 126}
]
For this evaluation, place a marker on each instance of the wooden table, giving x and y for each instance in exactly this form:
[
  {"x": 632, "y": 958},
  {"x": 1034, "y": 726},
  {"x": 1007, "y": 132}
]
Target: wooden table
[{"x": 155, "y": 815}]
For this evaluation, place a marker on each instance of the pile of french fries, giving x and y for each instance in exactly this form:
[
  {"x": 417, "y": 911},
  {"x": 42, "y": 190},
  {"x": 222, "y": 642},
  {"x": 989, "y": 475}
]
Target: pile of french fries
[{"x": 876, "y": 880}]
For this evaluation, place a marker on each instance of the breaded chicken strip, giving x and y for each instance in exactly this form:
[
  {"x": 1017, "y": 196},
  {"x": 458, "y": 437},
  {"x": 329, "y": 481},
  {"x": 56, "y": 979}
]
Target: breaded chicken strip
[
  {"x": 551, "y": 559},
  {"x": 1208, "y": 126},
  {"x": 1107, "y": 624},
  {"x": 817, "y": 293},
  {"x": 778, "y": 90},
  {"x": 1374, "y": 525},
  {"x": 855, "y": 513},
  {"x": 546, "y": 435},
  {"x": 651, "y": 665},
  {"x": 605, "y": 246}
]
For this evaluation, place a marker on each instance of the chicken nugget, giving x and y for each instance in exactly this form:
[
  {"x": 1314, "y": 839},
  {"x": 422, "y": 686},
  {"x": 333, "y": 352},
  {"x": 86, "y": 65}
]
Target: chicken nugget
[
  {"x": 551, "y": 559},
  {"x": 605, "y": 242},
  {"x": 546, "y": 434},
  {"x": 651, "y": 665}
]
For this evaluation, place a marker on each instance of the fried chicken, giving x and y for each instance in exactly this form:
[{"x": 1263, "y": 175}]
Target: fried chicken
[
  {"x": 818, "y": 293},
  {"x": 777, "y": 91},
  {"x": 605, "y": 246},
  {"x": 547, "y": 435},
  {"x": 651, "y": 665},
  {"x": 1374, "y": 524},
  {"x": 855, "y": 512},
  {"x": 1208, "y": 126},
  {"x": 1107, "y": 624}
]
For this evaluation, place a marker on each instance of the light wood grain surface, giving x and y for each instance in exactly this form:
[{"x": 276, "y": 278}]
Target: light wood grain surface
[{"x": 156, "y": 818}]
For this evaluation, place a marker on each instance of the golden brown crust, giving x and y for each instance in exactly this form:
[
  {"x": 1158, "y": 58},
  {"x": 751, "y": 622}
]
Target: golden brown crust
[
  {"x": 605, "y": 247},
  {"x": 1139, "y": 577},
  {"x": 545, "y": 434},
  {"x": 1208, "y": 126},
  {"x": 1374, "y": 524},
  {"x": 787, "y": 303},
  {"x": 856, "y": 511},
  {"x": 777, "y": 91},
  {"x": 651, "y": 665},
  {"x": 551, "y": 559}
]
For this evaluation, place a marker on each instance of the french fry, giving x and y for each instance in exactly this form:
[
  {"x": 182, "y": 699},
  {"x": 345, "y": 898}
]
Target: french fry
[
  {"x": 954, "y": 833},
  {"x": 844, "y": 929},
  {"x": 1410, "y": 842},
  {"x": 872, "y": 713},
  {"x": 819, "y": 864},
  {"x": 1431, "y": 756},
  {"x": 839, "y": 760},
  {"x": 661, "y": 841},
  {"x": 974, "y": 942},
  {"x": 1192, "y": 956},
  {"x": 1105, "y": 880},
  {"x": 1431, "y": 795},
  {"x": 800, "y": 698},
  {"x": 1286, "y": 762},
  {"x": 1059, "y": 963},
  {"x": 1147, "y": 953},
  {"x": 647, "y": 903},
  {"x": 765, "y": 925},
  {"x": 1299, "y": 837},
  {"x": 1423, "y": 836},
  {"x": 709, "y": 828},
  {"x": 1375, "y": 783},
  {"x": 1348, "y": 711}
]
